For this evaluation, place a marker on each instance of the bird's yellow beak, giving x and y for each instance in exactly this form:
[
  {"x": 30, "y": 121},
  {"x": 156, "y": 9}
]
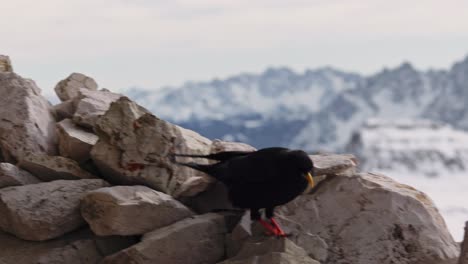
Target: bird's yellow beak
[{"x": 310, "y": 179}]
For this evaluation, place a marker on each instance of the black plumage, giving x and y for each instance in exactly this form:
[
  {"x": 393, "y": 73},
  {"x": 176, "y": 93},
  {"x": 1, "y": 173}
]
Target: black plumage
[{"x": 260, "y": 179}]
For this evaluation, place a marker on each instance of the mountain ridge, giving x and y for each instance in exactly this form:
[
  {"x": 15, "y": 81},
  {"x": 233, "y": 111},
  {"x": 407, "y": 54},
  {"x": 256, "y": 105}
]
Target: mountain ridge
[{"x": 314, "y": 110}]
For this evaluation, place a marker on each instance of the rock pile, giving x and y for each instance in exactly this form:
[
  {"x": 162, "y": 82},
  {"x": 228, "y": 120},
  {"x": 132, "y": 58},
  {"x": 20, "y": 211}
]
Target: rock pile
[{"x": 90, "y": 180}]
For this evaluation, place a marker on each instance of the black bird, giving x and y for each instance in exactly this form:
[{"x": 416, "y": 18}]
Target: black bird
[{"x": 260, "y": 179}]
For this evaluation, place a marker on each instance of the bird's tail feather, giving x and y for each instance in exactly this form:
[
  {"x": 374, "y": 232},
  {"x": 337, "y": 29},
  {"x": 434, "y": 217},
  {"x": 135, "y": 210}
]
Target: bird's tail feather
[
  {"x": 200, "y": 167},
  {"x": 220, "y": 156}
]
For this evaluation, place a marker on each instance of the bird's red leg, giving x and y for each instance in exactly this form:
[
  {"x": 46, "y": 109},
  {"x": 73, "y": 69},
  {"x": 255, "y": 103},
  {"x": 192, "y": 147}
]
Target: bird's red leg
[
  {"x": 269, "y": 227},
  {"x": 279, "y": 231}
]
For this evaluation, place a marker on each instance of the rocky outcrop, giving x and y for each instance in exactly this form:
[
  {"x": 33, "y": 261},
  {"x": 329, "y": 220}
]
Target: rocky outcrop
[
  {"x": 89, "y": 105},
  {"x": 194, "y": 240},
  {"x": 45, "y": 210},
  {"x": 68, "y": 88},
  {"x": 5, "y": 64},
  {"x": 369, "y": 218},
  {"x": 263, "y": 250},
  {"x": 74, "y": 142},
  {"x": 50, "y": 168},
  {"x": 135, "y": 147},
  {"x": 26, "y": 121},
  {"x": 130, "y": 210},
  {"x": 10, "y": 175}
]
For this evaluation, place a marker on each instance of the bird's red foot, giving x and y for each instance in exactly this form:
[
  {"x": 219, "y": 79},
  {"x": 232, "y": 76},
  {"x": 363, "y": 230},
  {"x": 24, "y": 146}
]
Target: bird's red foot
[
  {"x": 273, "y": 228},
  {"x": 278, "y": 228}
]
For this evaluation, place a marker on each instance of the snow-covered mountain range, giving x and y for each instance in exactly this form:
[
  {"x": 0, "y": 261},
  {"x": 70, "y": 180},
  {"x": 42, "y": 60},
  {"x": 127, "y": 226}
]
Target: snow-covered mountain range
[{"x": 314, "y": 110}]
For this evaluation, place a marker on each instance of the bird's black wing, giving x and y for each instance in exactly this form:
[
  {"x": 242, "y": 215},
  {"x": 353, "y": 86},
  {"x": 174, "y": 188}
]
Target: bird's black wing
[{"x": 260, "y": 166}]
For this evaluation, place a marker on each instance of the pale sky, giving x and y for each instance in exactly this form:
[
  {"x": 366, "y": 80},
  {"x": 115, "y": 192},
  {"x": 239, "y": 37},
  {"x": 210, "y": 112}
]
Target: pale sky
[{"x": 151, "y": 43}]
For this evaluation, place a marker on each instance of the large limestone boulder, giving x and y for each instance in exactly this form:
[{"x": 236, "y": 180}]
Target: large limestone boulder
[
  {"x": 135, "y": 147},
  {"x": 194, "y": 240},
  {"x": 369, "y": 218},
  {"x": 26, "y": 121},
  {"x": 45, "y": 210},
  {"x": 74, "y": 142},
  {"x": 261, "y": 250},
  {"x": 68, "y": 88},
  {"x": 90, "y": 105},
  {"x": 10, "y": 175},
  {"x": 5, "y": 64},
  {"x": 130, "y": 210},
  {"x": 50, "y": 168}
]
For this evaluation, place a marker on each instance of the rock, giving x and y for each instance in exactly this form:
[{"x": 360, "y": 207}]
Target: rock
[
  {"x": 90, "y": 105},
  {"x": 313, "y": 244},
  {"x": 74, "y": 248},
  {"x": 130, "y": 210},
  {"x": 369, "y": 218},
  {"x": 10, "y": 175},
  {"x": 244, "y": 230},
  {"x": 220, "y": 146},
  {"x": 68, "y": 88},
  {"x": 270, "y": 250},
  {"x": 5, "y": 64},
  {"x": 26, "y": 121},
  {"x": 50, "y": 168},
  {"x": 64, "y": 110},
  {"x": 45, "y": 210},
  {"x": 194, "y": 240},
  {"x": 464, "y": 248},
  {"x": 135, "y": 147},
  {"x": 74, "y": 142},
  {"x": 333, "y": 164}
]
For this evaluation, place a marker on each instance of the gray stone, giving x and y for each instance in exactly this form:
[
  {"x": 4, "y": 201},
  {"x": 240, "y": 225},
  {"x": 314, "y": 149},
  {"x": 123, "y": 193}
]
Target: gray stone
[
  {"x": 74, "y": 142},
  {"x": 333, "y": 164},
  {"x": 10, "y": 175},
  {"x": 45, "y": 210},
  {"x": 64, "y": 110},
  {"x": 90, "y": 105},
  {"x": 68, "y": 88},
  {"x": 26, "y": 121},
  {"x": 114, "y": 210},
  {"x": 135, "y": 147},
  {"x": 270, "y": 250},
  {"x": 194, "y": 240},
  {"x": 369, "y": 218},
  {"x": 50, "y": 168},
  {"x": 5, "y": 64},
  {"x": 74, "y": 248}
]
